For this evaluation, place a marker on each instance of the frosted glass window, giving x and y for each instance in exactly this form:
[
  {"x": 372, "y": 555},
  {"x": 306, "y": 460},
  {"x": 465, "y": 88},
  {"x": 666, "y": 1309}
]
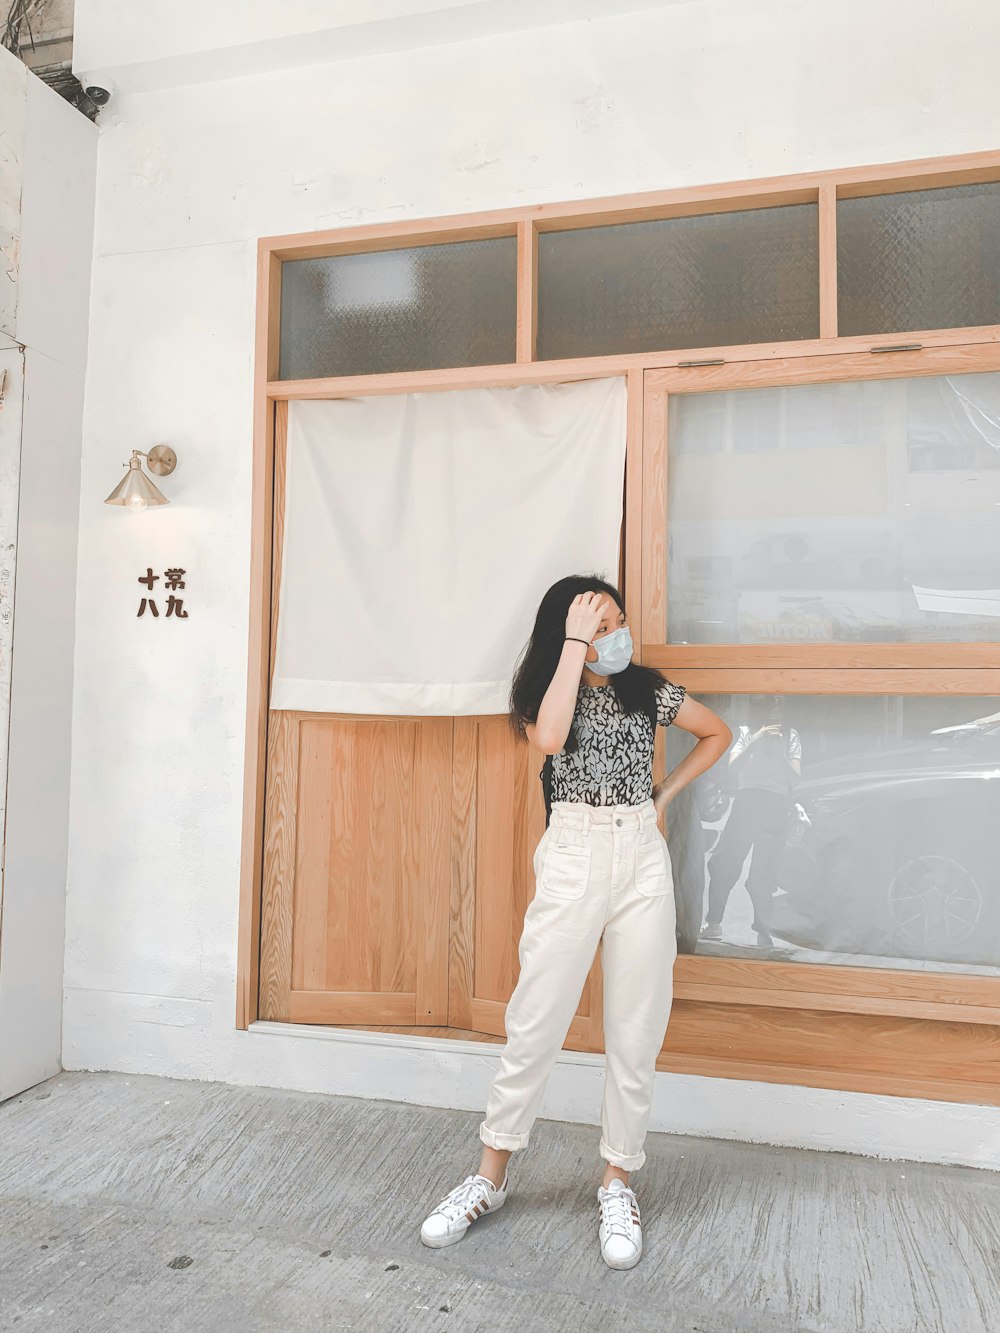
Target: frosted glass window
[
  {"x": 856, "y": 512},
  {"x": 921, "y": 259},
  {"x": 849, "y": 829},
  {"x": 421, "y": 308},
  {"x": 722, "y": 278}
]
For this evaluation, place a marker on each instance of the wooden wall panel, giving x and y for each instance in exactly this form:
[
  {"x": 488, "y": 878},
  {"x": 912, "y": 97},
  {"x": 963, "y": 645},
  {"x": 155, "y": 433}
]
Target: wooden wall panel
[
  {"x": 908, "y": 1057},
  {"x": 498, "y": 790},
  {"x": 356, "y": 883}
]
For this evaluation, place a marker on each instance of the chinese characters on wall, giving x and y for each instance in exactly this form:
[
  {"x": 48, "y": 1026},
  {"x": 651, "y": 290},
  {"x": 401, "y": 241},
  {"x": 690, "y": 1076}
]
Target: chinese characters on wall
[{"x": 172, "y": 578}]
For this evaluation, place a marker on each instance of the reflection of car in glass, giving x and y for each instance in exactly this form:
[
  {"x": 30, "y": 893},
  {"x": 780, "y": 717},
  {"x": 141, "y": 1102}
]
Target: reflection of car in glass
[{"x": 898, "y": 854}]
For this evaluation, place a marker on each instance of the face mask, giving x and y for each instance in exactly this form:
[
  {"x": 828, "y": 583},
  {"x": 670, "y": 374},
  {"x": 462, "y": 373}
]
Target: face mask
[{"x": 614, "y": 652}]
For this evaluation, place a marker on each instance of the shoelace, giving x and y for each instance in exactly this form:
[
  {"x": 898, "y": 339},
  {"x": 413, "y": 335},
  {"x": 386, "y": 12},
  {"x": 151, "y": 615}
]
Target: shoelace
[
  {"x": 616, "y": 1212},
  {"x": 462, "y": 1197}
]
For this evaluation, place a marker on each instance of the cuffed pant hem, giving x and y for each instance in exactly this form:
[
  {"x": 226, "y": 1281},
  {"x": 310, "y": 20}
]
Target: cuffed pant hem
[
  {"x": 627, "y": 1161},
  {"x": 505, "y": 1142}
]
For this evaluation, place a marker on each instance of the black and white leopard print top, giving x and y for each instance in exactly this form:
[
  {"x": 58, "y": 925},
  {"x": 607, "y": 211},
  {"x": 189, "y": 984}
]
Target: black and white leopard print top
[{"x": 614, "y": 764}]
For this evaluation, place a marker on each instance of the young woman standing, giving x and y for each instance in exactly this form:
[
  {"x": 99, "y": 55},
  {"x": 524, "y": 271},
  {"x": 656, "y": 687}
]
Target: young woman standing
[{"x": 603, "y": 875}]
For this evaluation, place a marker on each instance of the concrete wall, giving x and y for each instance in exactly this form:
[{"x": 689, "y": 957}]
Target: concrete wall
[
  {"x": 47, "y": 180},
  {"x": 188, "y": 177}
]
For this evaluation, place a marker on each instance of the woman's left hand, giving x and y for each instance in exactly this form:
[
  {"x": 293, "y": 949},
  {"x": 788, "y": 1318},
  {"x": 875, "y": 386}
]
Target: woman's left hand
[{"x": 661, "y": 798}]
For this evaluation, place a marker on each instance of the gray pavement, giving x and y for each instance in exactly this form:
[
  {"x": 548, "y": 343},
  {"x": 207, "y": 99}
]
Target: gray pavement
[{"x": 135, "y": 1203}]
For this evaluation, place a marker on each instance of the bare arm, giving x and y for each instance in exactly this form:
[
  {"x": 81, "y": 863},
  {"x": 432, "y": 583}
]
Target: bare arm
[
  {"x": 714, "y": 736},
  {"x": 555, "y": 713}
]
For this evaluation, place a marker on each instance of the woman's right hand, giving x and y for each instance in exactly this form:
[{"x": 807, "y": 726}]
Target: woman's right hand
[{"x": 585, "y": 614}]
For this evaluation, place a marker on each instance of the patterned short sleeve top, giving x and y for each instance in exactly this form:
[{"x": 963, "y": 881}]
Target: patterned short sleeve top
[{"x": 614, "y": 764}]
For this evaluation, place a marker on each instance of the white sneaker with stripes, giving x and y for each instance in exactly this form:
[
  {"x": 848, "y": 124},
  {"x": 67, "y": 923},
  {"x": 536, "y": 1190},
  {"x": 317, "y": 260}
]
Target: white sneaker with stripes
[
  {"x": 460, "y": 1207},
  {"x": 620, "y": 1230}
]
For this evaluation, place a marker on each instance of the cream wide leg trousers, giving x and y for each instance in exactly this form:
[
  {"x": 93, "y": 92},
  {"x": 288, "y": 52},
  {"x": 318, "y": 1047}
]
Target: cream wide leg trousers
[{"x": 602, "y": 875}]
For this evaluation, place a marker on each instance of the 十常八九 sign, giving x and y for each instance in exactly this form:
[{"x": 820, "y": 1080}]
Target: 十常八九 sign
[{"x": 172, "y": 579}]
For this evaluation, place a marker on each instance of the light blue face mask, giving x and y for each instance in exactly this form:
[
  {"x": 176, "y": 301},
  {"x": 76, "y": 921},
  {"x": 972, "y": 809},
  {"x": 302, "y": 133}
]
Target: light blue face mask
[{"x": 614, "y": 652}]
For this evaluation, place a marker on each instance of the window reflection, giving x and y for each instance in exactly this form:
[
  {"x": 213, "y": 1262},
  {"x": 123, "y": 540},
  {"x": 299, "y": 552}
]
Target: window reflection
[
  {"x": 850, "y": 512},
  {"x": 844, "y": 829},
  {"x": 756, "y": 797}
]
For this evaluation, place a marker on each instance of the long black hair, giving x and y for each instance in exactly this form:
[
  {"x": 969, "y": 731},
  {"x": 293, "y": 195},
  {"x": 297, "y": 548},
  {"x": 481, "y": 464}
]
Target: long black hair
[{"x": 635, "y": 687}]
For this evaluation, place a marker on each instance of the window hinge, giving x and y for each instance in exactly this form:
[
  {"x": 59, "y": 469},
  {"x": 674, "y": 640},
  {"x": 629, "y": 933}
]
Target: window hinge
[
  {"x": 899, "y": 347},
  {"x": 715, "y": 361}
]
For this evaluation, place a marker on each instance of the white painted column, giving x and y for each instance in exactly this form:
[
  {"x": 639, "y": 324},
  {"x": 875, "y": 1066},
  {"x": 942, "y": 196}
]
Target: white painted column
[{"x": 47, "y": 177}]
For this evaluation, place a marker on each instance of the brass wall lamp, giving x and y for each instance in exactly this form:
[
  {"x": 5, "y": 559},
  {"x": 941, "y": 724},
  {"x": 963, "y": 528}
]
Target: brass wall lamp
[{"x": 135, "y": 491}]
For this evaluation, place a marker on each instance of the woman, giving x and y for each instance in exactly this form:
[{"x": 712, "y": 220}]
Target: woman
[{"x": 603, "y": 875}]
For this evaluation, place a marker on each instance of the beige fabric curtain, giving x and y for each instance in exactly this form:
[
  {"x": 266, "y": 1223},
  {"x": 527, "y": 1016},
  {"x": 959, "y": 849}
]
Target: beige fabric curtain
[{"x": 421, "y": 530}]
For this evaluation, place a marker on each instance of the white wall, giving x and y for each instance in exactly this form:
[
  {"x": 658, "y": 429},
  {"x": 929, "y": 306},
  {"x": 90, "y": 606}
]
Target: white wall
[
  {"x": 47, "y": 177},
  {"x": 694, "y": 93},
  {"x": 167, "y": 43}
]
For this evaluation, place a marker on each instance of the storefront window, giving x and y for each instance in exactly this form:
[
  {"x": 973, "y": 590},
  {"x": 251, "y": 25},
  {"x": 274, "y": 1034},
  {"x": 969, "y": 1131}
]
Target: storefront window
[
  {"x": 852, "y": 829},
  {"x": 851, "y": 512}
]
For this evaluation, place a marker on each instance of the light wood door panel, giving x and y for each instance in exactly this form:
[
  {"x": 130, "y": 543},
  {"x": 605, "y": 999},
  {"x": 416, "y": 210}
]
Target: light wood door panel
[
  {"x": 497, "y": 778},
  {"x": 397, "y": 871},
  {"x": 356, "y": 869}
]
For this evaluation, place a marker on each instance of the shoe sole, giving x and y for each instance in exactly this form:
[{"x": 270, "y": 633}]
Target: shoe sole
[
  {"x": 439, "y": 1242},
  {"x": 623, "y": 1263}
]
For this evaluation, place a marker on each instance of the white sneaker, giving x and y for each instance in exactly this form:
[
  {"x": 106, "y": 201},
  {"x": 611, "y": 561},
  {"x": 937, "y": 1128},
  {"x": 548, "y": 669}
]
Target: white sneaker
[
  {"x": 620, "y": 1230},
  {"x": 460, "y": 1207}
]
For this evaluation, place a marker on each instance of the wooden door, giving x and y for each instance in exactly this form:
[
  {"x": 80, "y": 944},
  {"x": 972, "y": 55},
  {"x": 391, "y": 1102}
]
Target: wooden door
[
  {"x": 397, "y": 871},
  {"x": 499, "y": 818},
  {"x": 397, "y": 859},
  {"x": 357, "y": 852},
  {"x": 354, "y": 920}
]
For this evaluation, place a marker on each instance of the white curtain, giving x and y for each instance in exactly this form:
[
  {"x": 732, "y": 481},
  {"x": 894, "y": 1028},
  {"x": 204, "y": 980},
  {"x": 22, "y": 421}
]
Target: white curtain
[{"x": 421, "y": 531}]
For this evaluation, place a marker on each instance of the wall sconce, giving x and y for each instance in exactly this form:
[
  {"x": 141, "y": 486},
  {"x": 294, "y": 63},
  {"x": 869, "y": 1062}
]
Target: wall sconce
[{"x": 135, "y": 491}]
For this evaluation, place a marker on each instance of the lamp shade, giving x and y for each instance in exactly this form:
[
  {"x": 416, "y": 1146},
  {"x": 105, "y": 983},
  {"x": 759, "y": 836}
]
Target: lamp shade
[{"x": 135, "y": 489}]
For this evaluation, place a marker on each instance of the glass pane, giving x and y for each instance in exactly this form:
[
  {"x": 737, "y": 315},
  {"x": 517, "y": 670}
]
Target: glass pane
[
  {"x": 706, "y": 281},
  {"x": 423, "y": 308},
  {"x": 923, "y": 259},
  {"x": 856, "y": 829},
  {"x": 852, "y": 512}
]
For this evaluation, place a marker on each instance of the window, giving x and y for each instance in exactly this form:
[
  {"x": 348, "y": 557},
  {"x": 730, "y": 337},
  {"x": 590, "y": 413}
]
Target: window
[
  {"x": 852, "y": 511},
  {"x": 919, "y": 259},
  {"x": 401, "y": 309},
  {"x": 740, "y": 277},
  {"x": 861, "y": 829}
]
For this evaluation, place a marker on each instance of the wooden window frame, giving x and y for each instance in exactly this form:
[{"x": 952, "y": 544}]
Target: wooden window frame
[
  {"x": 811, "y": 668},
  {"x": 870, "y": 668}
]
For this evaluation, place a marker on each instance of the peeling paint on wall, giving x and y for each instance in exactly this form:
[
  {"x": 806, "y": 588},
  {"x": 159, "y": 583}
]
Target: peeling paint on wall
[{"x": 13, "y": 115}]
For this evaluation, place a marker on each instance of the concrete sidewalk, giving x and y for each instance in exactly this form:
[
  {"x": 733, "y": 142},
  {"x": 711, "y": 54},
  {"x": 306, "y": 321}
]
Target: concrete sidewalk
[{"x": 131, "y": 1203}]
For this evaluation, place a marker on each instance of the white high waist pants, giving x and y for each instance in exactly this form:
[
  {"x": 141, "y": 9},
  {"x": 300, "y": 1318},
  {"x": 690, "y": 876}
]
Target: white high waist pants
[{"x": 602, "y": 875}]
